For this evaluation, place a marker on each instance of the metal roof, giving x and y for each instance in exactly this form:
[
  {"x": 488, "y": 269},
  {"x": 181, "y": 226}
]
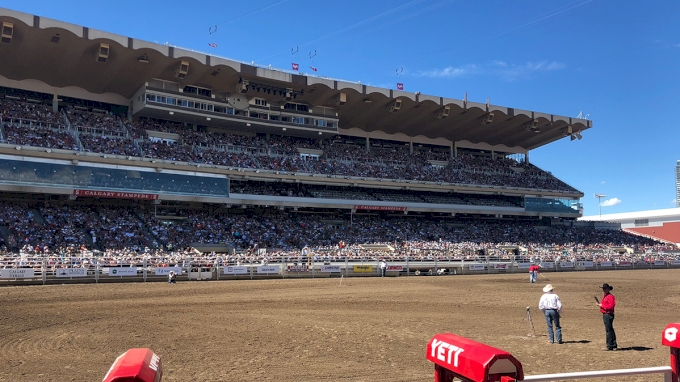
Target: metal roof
[{"x": 64, "y": 55}]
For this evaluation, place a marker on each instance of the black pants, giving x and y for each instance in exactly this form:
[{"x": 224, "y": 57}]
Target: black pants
[{"x": 609, "y": 328}]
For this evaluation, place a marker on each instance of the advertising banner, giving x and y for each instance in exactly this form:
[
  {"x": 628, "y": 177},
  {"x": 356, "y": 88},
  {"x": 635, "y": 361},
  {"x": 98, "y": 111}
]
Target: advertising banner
[
  {"x": 18, "y": 273},
  {"x": 71, "y": 272},
  {"x": 675, "y": 262},
  {"x": 123, "y": 271},
  {"x": 523, "y": 265},
  {"x": 605, "y": 263},
  {"x": 624, "y": 263},
  {"x": 269, "y": 269},
  {"x": 501, "y": 266},
  {"x": 164, "y": 271},
  {"x": 330, "y": 268},
  {"x": 566, "y": 264},
  {"x": 395, "y": 268},
  {"x": 115, "y": 194},
  {"x": 297, "y": 268},
  {"x": 659, "y": 262},
  {"x": 549, "y": 265},
  {"x": 641, "y": 264},
  {"x": 380, "y": 208},
  {"x": 363, "y": 268},
  {"x": 476, "y": 267},
  {"x": 235, "y": 270},
  {"x": 588, "y": 264}
]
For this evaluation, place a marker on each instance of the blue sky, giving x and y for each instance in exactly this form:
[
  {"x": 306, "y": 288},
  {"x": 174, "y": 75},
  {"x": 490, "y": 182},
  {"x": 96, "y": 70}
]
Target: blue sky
[{"x": 617, "y": 61}]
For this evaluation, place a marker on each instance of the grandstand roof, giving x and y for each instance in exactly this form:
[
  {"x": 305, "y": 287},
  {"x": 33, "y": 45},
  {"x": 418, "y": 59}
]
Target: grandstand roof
[{"x": 64, "y": 55}]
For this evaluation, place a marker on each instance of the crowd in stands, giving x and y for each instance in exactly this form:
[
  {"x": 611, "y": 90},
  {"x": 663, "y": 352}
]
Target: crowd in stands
[
  {"x": 28, "y": 111},
  {"x": 39, "y": 136},
  {"x": 74, "y": 228},
  {"x": 340, "y": 156}
]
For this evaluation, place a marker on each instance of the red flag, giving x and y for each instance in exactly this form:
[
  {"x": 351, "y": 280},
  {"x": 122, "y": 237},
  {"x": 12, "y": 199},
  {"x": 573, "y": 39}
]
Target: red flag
[
  {"x": 400, "y": 86},
  {"x": 212, "y": 45},
  {"x": 313, "y": 68},
  {"x": 296, "y": 66}
]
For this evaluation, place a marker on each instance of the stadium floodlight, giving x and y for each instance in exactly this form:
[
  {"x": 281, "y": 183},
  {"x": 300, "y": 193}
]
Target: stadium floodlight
[{"x": 599, "y": 201}]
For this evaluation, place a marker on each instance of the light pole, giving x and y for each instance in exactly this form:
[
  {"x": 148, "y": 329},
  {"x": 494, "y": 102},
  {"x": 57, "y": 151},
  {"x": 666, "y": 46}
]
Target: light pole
[{"x": 599, "y": 201}]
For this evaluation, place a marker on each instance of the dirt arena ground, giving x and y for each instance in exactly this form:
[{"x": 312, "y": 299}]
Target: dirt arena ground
[{"x": 368, "y": 329}]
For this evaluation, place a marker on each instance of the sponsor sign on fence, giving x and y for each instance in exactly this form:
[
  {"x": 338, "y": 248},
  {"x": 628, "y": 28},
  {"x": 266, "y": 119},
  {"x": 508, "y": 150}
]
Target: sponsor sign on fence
[
  {"x": 476, "y": 267},
  {"x": 123, "y": 271},
  {"x": 501, "y": 266},
  {"x": 675, "y": 262},
  {"x": 588, "y": 264},
  {"x": 548, "y": 265},
  {"x": 235, "y": 270},
  {"x": 523, "y": 265},
  {"x": 115, "y": 194},
  {"x": 659, "y": 262},
  {"x": 363, "y": 268},
  {"x": 269, "y": 269},
  {"x": 624, "y": 263},
  {"x": 566, "y": 264},
  {"x": 164, "y": 271},
  {"x": 605, "y": 263},
  {"x": 18, "y": 273},
  {"x": 297, "y": 268},
  {"x": 71, "y": 272},
  {"x": 330, "y": 268},
  {"x": 395, "y": 268},
  {"x": 641, "y": 264}
]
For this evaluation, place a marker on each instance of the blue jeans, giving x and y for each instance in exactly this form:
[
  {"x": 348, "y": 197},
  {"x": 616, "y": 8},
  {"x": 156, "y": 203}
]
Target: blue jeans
[
  {"x": 533, "y": 276},
  {"x": 551, "y": 316}
]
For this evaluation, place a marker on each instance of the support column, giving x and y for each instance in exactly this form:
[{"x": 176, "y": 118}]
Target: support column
[
  {"x": 368, "y": 145},
  {"x": 493, "y": 155},
  {"x": 526, "y": 157},
  {"x": 410, "y": 146},
  {"x": 55, "y": 103}
]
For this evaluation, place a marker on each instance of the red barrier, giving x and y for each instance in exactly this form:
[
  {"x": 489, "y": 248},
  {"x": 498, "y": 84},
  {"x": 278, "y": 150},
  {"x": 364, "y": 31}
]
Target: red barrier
[
  {"x": 136, "y": 365},
  {"x": 459, "y": 357}
]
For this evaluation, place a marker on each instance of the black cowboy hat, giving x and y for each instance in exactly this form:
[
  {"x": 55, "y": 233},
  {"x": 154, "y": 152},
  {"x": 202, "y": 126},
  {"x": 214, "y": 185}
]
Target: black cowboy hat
[{"x": 607, "y": 286}]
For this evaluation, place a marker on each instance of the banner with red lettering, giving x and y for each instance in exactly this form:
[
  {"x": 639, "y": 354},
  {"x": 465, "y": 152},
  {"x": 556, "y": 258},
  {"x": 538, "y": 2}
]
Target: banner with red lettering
[
  {"x": 380, "y": 208},
  {"x": 115, "y": 194}
]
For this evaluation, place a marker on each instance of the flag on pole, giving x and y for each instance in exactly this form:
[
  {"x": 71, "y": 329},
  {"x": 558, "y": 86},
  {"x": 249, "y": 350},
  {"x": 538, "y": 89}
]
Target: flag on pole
[
  {"x": 212, "y": 45},
  {"x": 400, "y": 86},
  {"x": 296, "y": 66},
  {"x": 313, "y": 68}
]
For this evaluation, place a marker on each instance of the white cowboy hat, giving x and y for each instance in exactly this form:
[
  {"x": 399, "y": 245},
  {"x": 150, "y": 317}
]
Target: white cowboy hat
[{"x": 548, "y": 288}]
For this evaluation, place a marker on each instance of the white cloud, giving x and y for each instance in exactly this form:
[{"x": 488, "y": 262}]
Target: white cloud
[
  {"x": 448, "y": 72},
  {"x": 602, "y": 182},
  {"x": 674, "y": 201},
  {"x": 611, "y": 202}
]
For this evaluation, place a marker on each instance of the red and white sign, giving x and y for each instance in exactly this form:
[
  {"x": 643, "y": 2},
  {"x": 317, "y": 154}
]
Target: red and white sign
[
  {"x": 670, "y": 335},
  {"x": 296, "y": 66},
  {"x": 624, "y": 263},
  {"x": 501, "y": 266},
  {"x": 115, "y": 194},
  {"x": 297, "y": 268},
  {"x": 380, "y": 208},
  {"x": 136, "y": 365},
  {"x": 395, "y": 268}
]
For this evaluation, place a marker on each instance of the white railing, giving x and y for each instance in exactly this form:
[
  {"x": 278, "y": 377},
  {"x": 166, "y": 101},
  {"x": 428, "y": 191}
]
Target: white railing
[{"x": 667, "y": 372}]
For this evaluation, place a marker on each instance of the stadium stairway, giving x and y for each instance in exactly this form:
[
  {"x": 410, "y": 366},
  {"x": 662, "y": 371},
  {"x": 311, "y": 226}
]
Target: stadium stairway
[{"x": 37, "y": 216}]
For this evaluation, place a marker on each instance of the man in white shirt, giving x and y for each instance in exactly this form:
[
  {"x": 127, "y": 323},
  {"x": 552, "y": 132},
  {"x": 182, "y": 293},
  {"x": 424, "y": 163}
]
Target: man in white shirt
[
  {"x": 383, "y": 267},
  {"x": 551, "y": 306}
]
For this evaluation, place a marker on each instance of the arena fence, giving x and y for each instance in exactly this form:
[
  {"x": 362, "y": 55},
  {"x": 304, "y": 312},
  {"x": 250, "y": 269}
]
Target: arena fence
[
  {"x": 459, "y": 358},
  {"x": 22, "y": 269}
]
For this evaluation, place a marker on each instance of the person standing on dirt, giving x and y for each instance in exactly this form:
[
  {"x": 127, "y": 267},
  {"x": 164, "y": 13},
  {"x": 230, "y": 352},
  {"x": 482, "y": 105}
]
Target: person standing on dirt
[
  {"x": 551, "y": 306},
  {"x": 383, "y": 267},
  {"x": 533, "y": 273},
  {"x": 607, "y": 309}
]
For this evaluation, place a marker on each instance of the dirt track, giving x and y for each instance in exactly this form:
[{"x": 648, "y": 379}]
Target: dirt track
[{"x": 369, "y": 329}]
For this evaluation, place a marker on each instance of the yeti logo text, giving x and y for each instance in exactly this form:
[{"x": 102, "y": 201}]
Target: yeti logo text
[
  {"x": 444, "y": 355},
  {"x": 671, "y": 334}
]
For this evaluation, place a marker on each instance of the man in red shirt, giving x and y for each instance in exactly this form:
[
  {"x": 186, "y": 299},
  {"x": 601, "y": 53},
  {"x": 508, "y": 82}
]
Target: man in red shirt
[
  {"x": 607, "y": 309},
  {"x": 533, "y": 273}
]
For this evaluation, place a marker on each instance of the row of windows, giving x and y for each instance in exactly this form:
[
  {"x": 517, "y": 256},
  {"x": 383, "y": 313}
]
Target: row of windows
[{"x": 231, "y": 111}]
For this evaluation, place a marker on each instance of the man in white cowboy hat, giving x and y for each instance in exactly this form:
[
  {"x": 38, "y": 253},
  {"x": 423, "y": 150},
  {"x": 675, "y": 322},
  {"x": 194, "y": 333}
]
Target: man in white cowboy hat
[{"x": 551, "y": 306}]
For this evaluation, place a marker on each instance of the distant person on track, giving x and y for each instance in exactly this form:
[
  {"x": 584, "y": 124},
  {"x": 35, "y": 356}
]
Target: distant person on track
[
  {"x": 383, "y": 267},
  {"x": 172, "y": 277},
  {"x": 551, "y": 306},
  {"x": 533, "y": 273},
  {"x": 607, "y": 309}
]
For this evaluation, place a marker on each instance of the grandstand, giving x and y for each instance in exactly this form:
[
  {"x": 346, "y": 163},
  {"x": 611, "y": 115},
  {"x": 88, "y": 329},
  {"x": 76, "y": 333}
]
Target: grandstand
[{"x": 110, "y": 143}]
